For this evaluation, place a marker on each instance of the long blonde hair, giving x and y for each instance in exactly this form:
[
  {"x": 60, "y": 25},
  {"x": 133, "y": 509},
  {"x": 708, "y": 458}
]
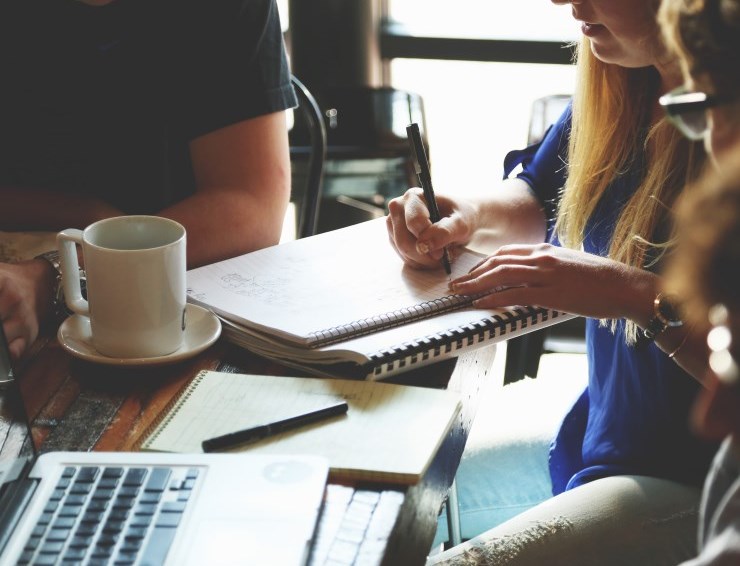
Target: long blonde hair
[{"x": 613, "y": 133}]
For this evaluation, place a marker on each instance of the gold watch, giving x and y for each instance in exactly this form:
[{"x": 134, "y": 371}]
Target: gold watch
[{"x": 665, "y": 315}]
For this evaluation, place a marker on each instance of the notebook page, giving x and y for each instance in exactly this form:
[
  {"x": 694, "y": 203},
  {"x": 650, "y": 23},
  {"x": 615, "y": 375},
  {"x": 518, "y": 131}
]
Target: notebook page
[
  {"x": 390, "y": 432},
  {"x": 319, "y": 283}
]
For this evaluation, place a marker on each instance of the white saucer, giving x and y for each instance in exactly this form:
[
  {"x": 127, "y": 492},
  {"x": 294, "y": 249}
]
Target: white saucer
[{"x": 203, "y": 329}]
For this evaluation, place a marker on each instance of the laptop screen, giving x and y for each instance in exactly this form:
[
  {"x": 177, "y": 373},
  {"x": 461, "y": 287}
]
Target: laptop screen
[
  {"x": 6, "y": 369},
  {"x": 14, "y": 430}
]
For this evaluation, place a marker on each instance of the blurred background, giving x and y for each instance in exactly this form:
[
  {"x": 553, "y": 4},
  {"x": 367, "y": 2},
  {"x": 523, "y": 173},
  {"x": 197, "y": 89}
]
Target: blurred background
[{"x": 475, "y": 66}]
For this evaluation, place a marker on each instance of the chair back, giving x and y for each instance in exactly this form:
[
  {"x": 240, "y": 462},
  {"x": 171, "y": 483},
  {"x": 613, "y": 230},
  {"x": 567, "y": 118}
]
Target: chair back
[
  {"x": 309, "y": 198},
  {"x": 545, "y": 112}
]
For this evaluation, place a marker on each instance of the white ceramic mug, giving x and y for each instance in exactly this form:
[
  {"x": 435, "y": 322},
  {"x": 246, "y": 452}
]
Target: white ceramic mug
[{"x": 135, "y": 269}]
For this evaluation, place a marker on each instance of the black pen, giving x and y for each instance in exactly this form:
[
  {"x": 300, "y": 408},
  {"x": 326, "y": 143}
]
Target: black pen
[
  {"x": 421, "y": 165},
  {"x": 232, "y": 439}
]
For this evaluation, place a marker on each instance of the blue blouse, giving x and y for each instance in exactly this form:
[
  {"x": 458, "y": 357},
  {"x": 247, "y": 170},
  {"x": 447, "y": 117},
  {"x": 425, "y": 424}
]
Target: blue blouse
[{"x": 633, "y": 416}]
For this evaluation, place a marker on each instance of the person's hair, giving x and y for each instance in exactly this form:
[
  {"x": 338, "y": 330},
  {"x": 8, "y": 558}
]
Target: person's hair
[
  {"x": 612, "y": 135},
  {"x": 706, "y": 35},
  {"x": 704, "y": 268}
]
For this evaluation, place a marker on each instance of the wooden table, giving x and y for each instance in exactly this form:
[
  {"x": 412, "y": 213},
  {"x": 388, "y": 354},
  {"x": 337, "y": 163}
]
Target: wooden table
[{"x": 75, "y": 405}]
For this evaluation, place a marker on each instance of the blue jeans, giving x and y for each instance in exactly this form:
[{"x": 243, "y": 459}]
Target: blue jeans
[{"x": 504, "y": 469}]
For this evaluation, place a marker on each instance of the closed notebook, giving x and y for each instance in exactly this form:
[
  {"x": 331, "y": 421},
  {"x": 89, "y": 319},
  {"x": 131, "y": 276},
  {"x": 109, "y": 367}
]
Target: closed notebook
[
  {"x": 390, "y": 432},
  {"x": 343, "y": 304}
]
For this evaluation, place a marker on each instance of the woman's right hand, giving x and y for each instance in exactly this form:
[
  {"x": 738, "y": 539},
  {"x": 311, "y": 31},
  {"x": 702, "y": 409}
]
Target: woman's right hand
[{"x": 418, "y": 241}]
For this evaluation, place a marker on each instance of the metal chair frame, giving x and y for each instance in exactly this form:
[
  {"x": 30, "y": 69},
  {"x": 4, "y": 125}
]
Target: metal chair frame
[{"x": 308, "y": 214}]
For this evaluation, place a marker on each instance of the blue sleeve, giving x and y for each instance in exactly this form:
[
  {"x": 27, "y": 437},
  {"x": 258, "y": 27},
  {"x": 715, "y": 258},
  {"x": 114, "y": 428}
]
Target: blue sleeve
[{"x": 544, "y": 166}]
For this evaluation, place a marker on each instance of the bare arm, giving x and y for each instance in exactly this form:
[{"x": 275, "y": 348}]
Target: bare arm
[
  {"x": 580, "y": 283},
  {"x": 41, "y": 209},
  {"x": 242, "y": 176},
  {"x": 509, "y": 214}
]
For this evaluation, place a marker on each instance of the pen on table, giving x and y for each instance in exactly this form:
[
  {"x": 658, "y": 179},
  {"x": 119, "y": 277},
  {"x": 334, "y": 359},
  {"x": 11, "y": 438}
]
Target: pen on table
[
  {"x": 421, "y": 165},
  {"x": 251, "y": 434}
]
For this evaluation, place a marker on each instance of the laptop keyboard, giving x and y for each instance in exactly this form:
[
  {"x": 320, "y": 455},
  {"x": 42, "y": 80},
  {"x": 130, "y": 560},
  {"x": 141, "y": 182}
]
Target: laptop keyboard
[
  {"x": 354, "y": 526},
  {"x": 110, "y": 515},
  {"x": 120, "y": 516}
]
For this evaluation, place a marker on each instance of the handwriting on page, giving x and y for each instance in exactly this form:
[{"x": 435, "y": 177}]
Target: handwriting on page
[{"x": 325, "y": 281}]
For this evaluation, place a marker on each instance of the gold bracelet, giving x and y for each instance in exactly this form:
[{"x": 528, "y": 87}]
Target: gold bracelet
[{"x": 674, "y": 352}]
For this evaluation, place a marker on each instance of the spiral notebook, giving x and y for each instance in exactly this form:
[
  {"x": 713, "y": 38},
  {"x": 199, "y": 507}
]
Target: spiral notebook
[
  {"x": 343, "y": 304},
  {"x": 390, "y": 433}
]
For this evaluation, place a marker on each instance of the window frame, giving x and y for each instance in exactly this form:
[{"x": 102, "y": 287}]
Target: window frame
[{"x": 396, "y": 42}]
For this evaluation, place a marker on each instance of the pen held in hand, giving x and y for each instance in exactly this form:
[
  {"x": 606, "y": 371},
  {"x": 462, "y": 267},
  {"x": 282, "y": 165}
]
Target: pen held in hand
[
  {"x": 421, "y": 166},
  {"x": 252, "y": 434}
]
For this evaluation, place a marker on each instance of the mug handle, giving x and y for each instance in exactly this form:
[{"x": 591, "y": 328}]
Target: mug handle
[{"x": 66, "y": 241}]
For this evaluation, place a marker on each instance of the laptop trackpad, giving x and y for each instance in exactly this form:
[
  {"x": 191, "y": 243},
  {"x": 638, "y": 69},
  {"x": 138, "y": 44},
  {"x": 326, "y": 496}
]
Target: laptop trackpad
[
  {"x": 224, "y": 542},
  {"x": 261, "y": 512}
]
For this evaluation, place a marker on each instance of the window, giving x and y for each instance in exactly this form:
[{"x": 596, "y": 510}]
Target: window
[
  {"x": 477, "y": 111},
  {"x": 283, "y": 11},
  {"x": 478, "y": 65},
  {"x": 538, "y": 20}
]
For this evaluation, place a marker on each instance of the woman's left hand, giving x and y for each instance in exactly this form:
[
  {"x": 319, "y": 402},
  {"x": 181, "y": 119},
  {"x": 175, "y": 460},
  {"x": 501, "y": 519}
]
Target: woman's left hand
[{"x": 559, "y": 278}]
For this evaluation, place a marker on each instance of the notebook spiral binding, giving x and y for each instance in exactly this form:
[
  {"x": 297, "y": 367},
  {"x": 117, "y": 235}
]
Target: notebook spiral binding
[
  {"x": 152, "y": 431},
  {"x": 431, "y": 347},
  {"x": 388, "y": 320}
]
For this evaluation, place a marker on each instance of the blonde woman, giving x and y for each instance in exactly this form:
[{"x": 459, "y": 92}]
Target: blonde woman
[{"x": 624, "y": 467}]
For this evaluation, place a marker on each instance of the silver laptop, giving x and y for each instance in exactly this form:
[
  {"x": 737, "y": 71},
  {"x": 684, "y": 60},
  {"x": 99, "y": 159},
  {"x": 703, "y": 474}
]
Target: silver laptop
[{"x": 136, "y": 508}]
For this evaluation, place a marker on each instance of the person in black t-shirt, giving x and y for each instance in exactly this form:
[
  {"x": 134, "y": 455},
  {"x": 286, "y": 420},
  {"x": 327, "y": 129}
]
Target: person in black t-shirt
[{"x": 166, "y": 107}]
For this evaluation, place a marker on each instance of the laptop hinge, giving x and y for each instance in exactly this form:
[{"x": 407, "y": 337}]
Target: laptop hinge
[{"x": 11, "y": 471}]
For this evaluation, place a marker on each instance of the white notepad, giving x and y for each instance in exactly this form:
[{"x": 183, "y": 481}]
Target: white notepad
[{"x": 390, "y": 432}]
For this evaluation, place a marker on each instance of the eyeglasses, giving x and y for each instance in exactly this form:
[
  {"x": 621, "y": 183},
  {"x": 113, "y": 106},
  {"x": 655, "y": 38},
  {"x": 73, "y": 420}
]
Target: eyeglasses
[
  {"x": 688, "y": 110},
  {"x": 719, "y": 340}
]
